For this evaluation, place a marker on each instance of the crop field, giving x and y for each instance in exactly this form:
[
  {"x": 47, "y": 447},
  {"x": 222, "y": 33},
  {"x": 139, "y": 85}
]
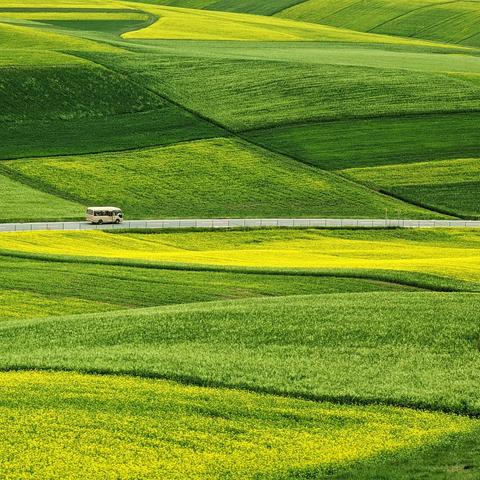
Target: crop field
[
  {"x": 454, "y": 22},
  {"x": 206, "y": 177},
  {"x": 260, "y": 354},
  {"x": 430, "y": 183},
  {"x": 448, "y": 253}
]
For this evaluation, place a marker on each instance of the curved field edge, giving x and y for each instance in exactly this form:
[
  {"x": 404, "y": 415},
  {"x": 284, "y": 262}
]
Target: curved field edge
[
  {"x": 208, "y": 432},
  {"x": 216, "y": 177},
  {"x": 185, "y": 23},
  {"x": 416, "y": 350},
  {"x": 409, "y": 279}
]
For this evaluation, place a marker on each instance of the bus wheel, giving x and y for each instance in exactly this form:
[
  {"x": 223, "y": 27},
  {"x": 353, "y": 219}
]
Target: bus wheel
[
  {"x": 99, "y": 222},
  {"x": 117, "y": 221}
]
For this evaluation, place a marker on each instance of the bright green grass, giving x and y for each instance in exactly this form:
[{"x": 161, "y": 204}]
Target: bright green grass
[
  {"x": 12, "y": 57},
  {"x": 456, "y": 22},
  {"x": 64, "y": 425},
  {"x": 372, "y": 142},
  {"x": 410, "y": 349},
  {"x": 206, "y": 178},
  {"x": 448, "y": 185},
  {"x": 192, "y": 24},
  {"x": 21, "y": 37},
  {"x": 376, "y": 56},
  {"x": 33, "y": 288},
  {"x": 16, "y": 304},
  {"x": 165, "y": 125},
  {"x": 227, "y": 91},
  {"x": 19, "y": 201}
]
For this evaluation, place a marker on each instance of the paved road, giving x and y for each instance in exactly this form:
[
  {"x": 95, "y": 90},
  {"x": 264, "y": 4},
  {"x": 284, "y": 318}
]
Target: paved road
[{"x": 247, "y": 222}]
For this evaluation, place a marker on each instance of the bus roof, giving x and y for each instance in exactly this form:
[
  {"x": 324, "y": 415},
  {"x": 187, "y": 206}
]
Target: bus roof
[{"x": 103, "y": 208}]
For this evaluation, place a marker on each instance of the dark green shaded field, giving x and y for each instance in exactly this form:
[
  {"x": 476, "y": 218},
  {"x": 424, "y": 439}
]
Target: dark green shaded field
[
  {"x": 68, "y": 92},
  {"x": 162, "y": 126},
  {"x": 429, "y": 183},
  {"x": 458, "y": 457},
  {"x": 372, "y": 142}
]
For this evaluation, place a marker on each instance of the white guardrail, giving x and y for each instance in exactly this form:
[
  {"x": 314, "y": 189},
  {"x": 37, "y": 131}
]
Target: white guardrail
[{"x": 245, "y": 222}]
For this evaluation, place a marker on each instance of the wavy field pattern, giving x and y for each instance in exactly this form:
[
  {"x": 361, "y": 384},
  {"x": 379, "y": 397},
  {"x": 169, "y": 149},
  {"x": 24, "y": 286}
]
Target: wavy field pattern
[
  {"x": 245, "y": 354},
  {"x": 228, "y": 432},
  {"x": 453, "y": 21}
]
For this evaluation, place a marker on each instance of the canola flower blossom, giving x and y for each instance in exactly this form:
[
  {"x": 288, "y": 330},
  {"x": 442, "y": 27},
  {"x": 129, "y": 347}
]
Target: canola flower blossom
[{"x": 69, "y": 425}]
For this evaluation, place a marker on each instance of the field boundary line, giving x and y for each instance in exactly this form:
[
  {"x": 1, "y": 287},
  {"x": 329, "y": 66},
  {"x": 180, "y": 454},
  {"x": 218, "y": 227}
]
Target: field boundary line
[
  {"x": 349, "y": 400},
  {"x": 426, "y": 281}
]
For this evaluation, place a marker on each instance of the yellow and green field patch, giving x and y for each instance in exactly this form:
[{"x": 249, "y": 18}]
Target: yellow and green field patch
[
  {"x": 456, "y": 22},
  {"x": 16, "y": 304},
  {"x": 448, "y": 185},
  {"x": 183, "y": 23},
  {"x": 22, "y": 37},
  {"x": 62, "y": 425},
  {"x": 205, "y": 178},
  {"x": 453, "y": 253}
]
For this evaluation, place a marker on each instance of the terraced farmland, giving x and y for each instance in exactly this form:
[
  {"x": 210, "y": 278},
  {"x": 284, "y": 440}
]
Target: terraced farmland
[{"x": 240, "y": 354}]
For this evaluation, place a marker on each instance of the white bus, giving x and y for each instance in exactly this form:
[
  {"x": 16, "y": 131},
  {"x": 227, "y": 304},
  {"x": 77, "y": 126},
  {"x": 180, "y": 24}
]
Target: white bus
[{"x": 101, "y": 215}]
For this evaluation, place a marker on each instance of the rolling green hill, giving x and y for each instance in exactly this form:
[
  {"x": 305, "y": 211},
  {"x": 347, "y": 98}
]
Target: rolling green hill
[
  {"x": 216, "y": 177},
  {"x": 269, "y": 354},
  {"x": 455, "y": 22}
]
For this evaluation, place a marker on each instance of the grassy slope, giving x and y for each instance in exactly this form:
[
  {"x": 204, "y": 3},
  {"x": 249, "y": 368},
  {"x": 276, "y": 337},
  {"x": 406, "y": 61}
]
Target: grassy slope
[
  {"x": 18, "y": 304},
  {"x": 21, "y": 37},
  {"x": 456, "y": 22},
  {"x": 208, "y": 178},
  {"x": 245, "y": 6},
  {"x": 21, "y": 202},
  {"x": 32, "y": 288},
  {"x": 416, "y": 349},
  {"x": 430, "y": 183},
  {"x": 42, "y": 89},
  {"x": 212, "y": 433},
  {"x": 164, "y": 125},
  {"x": 376, "y": 142},
  {"x": 450, "y": 253},
  {"x": 226, "y": 90},
  {"x": 184, "y": 23}
]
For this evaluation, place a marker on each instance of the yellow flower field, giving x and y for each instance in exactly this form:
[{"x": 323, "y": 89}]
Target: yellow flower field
[
  {"x": 454, "y": 253},
  {"x": 67, "y": 425}
]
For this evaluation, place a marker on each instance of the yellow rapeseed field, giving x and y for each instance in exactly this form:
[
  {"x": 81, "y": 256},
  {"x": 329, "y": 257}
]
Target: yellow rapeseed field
[
  {"x": 454, "y": 253},
  {"x": 68, "y": 425},
  {"x": 184, "y": 23}
]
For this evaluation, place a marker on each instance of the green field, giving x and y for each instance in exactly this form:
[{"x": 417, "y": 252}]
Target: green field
[
  {"x": 454, "y": 22},
  {"x": 259, "y": 354},
  {"x": 215, "y": 177},
  {"x": 27, "y": 203},
  {"x": 430, "y": 183}
]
